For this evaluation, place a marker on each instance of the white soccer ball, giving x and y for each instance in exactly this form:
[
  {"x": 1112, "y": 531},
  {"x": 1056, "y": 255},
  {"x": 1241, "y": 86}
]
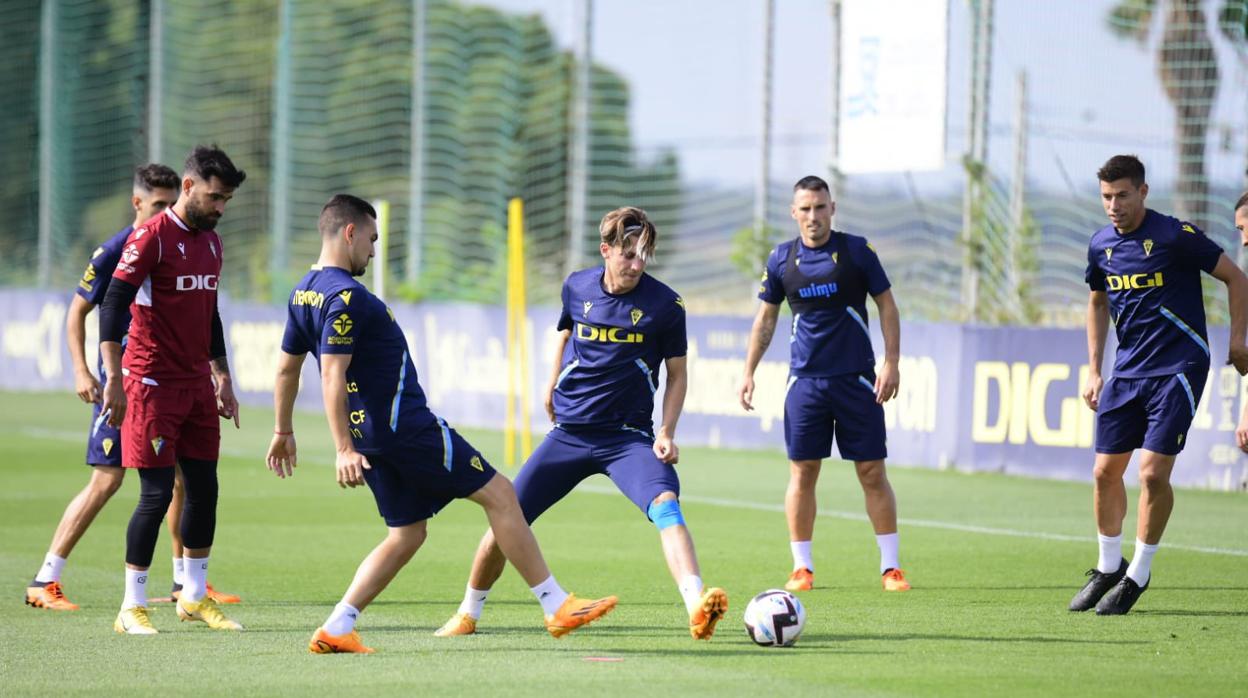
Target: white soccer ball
[{"x": 775, "y": 618}]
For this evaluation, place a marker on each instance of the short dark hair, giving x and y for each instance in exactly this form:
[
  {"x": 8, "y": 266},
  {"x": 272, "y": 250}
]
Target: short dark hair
[
  {"x": 1243, "y": 201},
  {"x": 155, "y": 176},
  {"x": 341, "y": 210},
  {"x": 811, "y": 183},
  {"x": 208, "y": 161},
  {"x": 1120, "y": 167}
]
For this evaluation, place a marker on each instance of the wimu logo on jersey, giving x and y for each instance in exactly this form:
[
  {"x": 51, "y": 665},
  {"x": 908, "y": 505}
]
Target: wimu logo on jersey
[
  {"x": 818, "y": 290},
  {"x": 1133, "y": 282},
  {"x": 612, "y": 335},
  {"x": 197, "y": 282}
]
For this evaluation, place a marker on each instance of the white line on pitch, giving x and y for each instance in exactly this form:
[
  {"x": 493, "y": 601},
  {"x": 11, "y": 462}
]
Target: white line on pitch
[
  {"x": 65, "y": 435},
  {"x": 921, "y": 523}
]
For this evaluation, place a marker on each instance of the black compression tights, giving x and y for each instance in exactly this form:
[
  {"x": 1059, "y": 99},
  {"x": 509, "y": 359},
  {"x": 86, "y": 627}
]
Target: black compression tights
[{"x": 199, "y": 515}]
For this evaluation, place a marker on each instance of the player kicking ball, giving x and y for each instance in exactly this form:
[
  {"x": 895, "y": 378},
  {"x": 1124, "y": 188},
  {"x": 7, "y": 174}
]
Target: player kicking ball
[
  {"x": 618, "y": 324},
  {"x": 386, "y": 436}
]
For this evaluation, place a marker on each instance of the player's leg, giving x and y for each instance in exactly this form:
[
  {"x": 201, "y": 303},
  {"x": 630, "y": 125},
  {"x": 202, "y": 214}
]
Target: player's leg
[
  {"x": 861, "y": 438},
  {"x": 1171, "y": 405},
  {"x": 405, "y": 511},
  {"x": 155, "y": 491},
  {"x": 560, "y": 462},
  {"x": 1120, "y": 425},
  {"x": 45, "y": 590},
  {"x": 173, "y": 520},
  {"x": 374, "y": 574},
  {"x": 808, "y": 429},
  {"x": 198, "y": 446}
]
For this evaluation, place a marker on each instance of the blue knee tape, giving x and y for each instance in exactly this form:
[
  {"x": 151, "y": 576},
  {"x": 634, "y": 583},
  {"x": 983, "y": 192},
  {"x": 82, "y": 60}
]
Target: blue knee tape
[{"x": 666, "y": 513}]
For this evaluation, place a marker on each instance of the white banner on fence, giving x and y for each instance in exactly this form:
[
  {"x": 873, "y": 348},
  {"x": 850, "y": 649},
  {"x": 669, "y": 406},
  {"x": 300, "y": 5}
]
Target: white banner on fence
[{"x": 893, "y": 78}]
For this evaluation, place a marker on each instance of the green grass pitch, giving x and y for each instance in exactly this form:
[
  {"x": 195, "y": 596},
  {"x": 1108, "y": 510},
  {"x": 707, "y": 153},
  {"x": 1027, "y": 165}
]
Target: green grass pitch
[{"x": 994, "y": 561}]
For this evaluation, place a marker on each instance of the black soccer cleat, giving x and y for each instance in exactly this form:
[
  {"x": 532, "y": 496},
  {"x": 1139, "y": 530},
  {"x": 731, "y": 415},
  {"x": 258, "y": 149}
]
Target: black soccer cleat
[
  {"x": 1121, "y": 598},
  {"x": 1097, "y": 586}
]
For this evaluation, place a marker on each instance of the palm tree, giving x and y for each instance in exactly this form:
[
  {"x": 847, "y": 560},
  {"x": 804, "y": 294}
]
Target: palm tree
[{"x": 1188, "y": 68}]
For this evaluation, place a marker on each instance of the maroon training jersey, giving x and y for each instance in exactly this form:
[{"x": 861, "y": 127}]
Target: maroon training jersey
[{"x": 176, "y": 269}]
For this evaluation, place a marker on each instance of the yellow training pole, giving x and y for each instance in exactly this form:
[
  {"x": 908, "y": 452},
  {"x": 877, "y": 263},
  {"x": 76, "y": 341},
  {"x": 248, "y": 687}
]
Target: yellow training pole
[
  {"x": 517, "y": 341},
  {"x": 509, "y": 423}
]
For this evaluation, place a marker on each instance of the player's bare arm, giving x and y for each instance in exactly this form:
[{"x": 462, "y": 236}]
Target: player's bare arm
[
  {"x": 760, "y": 338},
  {"x": 560, "y": 345},
  {"x": 887, "y": 382},
  {"x": 673, "y": 402},
  {"x": 281, "y": 456},
  {"x": 1098, "y": 329},
  {"x": 1229, "y": 273},
  {"x": 349, "y": 463},
  {"x": 86, "y": 385}
]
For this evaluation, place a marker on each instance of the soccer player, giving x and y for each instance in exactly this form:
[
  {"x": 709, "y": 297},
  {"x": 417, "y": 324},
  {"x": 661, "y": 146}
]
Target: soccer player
[
  {"x": 1144, "y": 268},
  {"x": 617, "y": 326},
  {"x": 163, "y": 394},
  {"x": 833, "y": 390},
  {"x": 384, "y": 433},
  {"x": 1241, "y": 224}
]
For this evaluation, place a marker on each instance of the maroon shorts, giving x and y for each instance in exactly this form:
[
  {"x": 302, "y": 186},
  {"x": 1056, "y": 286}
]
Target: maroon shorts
[{"x": 164, "y": 423}]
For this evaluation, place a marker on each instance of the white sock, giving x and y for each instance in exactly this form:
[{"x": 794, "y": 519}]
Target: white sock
[
  {"x": 1142, "y": 562},
  {"x": 888, "y": 543},
  {"x": 195, "y": 579},
  {"x": 136, "y": 589},
  {"x": 1111, "y": 553},
  {"x": 474, "y": 602},
  {"x": 179, "y": 571},
  {"x": 691, "y": 591},
  {"x": 550, "y": 595},
  {"x": 51, "y": 570},
  {"x": 801, "y": 555},
  {"x": 342, "y": 620}
]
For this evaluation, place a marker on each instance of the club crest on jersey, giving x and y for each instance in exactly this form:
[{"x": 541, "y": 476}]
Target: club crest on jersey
[
  {"x": 182, "y": 250},
  {"x": 635, "y": 314},
  {"x": 345, "y": 296},
  {"x": 1109, "y": 255},
  {"x": 836, "y": 257},
  {"x": 108, "y": 446},
  {"x": 1148, "y": 247},
  {"x": 588, "y": 305},
  {"x": 157, "y": 444},
  {"x": 476, "y": 463},
  {"x": 1187, "y": 227},
  {"x": 342, "y": 325},
  {"x": 130, "y": 254}
]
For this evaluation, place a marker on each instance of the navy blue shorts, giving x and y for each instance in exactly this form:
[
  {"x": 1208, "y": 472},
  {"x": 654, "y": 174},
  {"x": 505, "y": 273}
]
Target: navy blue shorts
[
  {"x": 103, "y": 441},
  {"x": 815, "y": 409},
  {"x": 413, "y": 481},
  {"x": 1153, "y": 413},
  {"x": 565, "y": 458}
]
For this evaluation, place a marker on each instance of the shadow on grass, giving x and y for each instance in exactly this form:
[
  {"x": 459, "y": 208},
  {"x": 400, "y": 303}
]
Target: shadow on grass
[
  {"x": 1188, "y": 613},
  {"x": 1037, "y": 639}
]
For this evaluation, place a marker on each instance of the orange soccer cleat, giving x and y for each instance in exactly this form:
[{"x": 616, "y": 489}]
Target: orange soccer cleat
[
  {"x": 459, "y": 624},
  {"x": 703, "y": 619},
  {"x": 324, "y": 643},
  {"x": 577, "y": 612},
  {"x": 49, "y": 596},
  {"x": 801, "y": 580},
  {"x": 895, "y": 580}
]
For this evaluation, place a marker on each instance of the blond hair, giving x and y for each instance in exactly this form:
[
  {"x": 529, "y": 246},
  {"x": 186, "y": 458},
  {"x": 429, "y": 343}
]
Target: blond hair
[{"x": 618, "y": 225}]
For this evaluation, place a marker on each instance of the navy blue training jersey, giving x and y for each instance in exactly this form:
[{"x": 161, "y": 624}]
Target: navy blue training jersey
[
  {"x": 1152, "y": 278},
  {"x": 94, "y": 282},
  {"x": 827, "y": 289},
  {"x": 332, "y": 313},
  {"x": 610, "y": 367}
]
